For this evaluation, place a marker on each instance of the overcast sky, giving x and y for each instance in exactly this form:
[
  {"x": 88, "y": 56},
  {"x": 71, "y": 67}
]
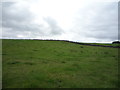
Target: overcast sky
[{"x": 75, "y": 20}]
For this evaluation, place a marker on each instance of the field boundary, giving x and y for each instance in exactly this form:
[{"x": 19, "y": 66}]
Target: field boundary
[{"x": 93, "y": 44}]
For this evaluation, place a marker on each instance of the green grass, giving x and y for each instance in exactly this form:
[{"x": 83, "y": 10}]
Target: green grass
[{"x": 58, "y": 64}]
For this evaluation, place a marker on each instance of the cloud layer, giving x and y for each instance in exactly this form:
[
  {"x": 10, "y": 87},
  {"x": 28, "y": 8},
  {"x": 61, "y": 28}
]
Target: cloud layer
[
  {"x": 77, "y": 21},
  {"x": 99, "y": 21}
]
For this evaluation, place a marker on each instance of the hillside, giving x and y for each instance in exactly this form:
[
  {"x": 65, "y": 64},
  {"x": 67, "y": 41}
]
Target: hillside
[{"x": 58, "y": 64}]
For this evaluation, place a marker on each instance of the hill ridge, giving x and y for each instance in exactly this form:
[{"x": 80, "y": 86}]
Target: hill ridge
[{"x": 81, "y": 43}]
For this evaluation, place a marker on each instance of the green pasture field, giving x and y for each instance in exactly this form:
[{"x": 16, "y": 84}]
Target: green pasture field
[{"x": 58, "y": 64}]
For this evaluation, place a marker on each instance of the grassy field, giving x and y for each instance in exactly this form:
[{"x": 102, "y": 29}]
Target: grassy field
[{"x": 58, "y": 64}]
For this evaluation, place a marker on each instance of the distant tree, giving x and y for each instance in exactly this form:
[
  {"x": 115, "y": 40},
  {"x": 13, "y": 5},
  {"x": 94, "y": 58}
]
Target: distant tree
[{"x": 116, "y": 42}]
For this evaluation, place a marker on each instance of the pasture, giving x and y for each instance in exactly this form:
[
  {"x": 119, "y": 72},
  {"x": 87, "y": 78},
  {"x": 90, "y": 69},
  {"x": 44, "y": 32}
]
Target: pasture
[{"x": 58, "y": 64}]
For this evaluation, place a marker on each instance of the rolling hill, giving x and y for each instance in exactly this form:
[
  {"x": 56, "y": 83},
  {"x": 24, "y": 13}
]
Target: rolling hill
[{"x": 58, "y": 64}]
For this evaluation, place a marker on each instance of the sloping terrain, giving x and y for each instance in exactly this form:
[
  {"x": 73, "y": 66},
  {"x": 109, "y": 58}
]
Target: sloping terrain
[{"x": 58, "y": 64}]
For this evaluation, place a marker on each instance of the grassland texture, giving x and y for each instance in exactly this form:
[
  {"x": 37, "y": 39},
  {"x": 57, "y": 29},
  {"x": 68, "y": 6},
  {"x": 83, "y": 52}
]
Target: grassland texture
[{"x": 58, "y": 64}]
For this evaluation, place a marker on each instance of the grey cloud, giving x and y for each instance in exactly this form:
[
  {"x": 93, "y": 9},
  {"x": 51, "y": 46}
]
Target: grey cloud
[
  {"x": 7, "y": 34},
  {"x": 12, "y": 13},
  {"x": 17, "y": 21},
  {"x": 20, "y": 20},
  {"x": 98, "y": 21},
  {"x": 54, "y": 28},
  {"x": 7, "y": 4}
]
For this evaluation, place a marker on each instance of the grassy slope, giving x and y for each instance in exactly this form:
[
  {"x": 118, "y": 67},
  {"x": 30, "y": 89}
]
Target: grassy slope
[{"x": 50, "y": 64}]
